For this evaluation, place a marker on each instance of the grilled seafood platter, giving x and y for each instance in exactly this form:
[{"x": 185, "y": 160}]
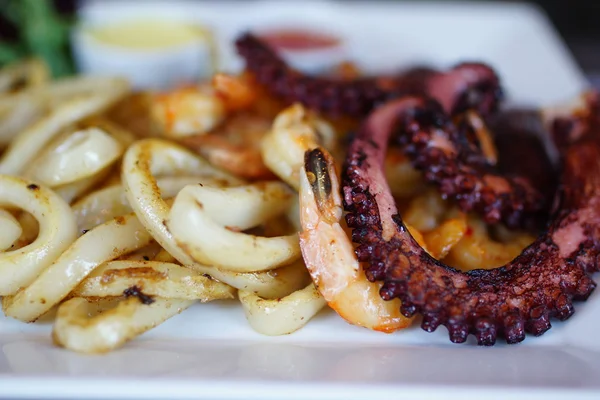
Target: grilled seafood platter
[{"x": 418, "y": 197}]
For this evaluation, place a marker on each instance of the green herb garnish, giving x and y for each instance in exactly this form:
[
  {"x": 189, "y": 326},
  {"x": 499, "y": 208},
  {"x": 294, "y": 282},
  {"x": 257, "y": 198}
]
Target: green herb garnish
[{"x": 42, "y": 33}]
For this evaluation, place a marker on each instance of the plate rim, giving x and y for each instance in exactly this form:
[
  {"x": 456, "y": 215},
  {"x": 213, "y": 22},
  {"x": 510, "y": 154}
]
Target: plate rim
[{"x": 24, "y": 386}]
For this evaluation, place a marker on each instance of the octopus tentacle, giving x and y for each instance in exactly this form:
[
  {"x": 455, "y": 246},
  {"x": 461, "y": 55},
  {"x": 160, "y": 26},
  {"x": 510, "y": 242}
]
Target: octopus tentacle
[
  {"x": 468, "y": 85},
  {"x": 460, "y": 169},
  {"x": 524, "y": 149},
  {"x": 523, "y": 295}
]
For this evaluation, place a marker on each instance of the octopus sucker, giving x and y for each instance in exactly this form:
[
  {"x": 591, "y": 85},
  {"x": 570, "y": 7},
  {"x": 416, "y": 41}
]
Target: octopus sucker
[
  {"x": 461, "y": 171},
  {"x": 467, "y": 85},
  {"x": 520, "y": 297}
]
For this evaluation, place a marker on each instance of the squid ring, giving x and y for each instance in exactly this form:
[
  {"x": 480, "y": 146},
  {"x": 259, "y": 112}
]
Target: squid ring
[
  {"x": 281, "y": 316},
  {"x": 209, "y": 242},
  {"x": 80, "y": 155},
  {"x": 110, "y": 202},
  {"x": 11, "y": 230},
  {"x": 75, "y": 330},
  {"x": 31, "y": 141},
  {"x": 72, "y": 191},
  {"x": 57, "y": 230},
  {"x": 156, "y": 278},
  {"x": 103, "y": 243},
  {"x": 19, "y": 110},
  {"x": 148, "y": 158}
]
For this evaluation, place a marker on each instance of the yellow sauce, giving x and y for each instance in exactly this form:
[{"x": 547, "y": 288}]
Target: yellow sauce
[{"x": 148, "y": 34}]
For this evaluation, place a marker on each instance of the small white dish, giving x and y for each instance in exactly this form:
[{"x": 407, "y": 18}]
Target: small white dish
[
  {"x": 314, "y": 60},
  {"x": 270, "y": 16},
  {"x": 151, "y": 65}
]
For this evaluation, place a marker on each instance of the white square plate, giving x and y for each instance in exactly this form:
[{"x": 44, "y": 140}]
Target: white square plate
[{"x": 209, "y": 351}]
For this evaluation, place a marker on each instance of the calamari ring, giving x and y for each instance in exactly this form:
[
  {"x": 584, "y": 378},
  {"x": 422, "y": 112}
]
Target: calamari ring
[
  {"x": 207, "y": 240},
  {"x": 11, "y": 230},
  {"x": 159, "y": 279},
  {"x": 103, "y": 243},
  {"x": 150, "y": 157},
  {"x": 23, "y": 149},
  {"x": 75, "y": 330},
  {"x": 57, "y": 230},
  {"x": 281, "y": 316},
  {"x": 111, "y": 201}
]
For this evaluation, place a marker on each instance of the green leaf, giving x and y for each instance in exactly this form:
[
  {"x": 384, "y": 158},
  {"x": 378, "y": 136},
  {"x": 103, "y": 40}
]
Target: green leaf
[
  {"x": 10, "y": 53},
  {"x": 13, "y": 12},
  {"x": 43, "y": 33}
]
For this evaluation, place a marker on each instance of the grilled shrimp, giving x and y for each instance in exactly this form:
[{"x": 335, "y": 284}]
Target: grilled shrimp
[
  {"x": 219, "y": 122},
  {"x": 235, "y": 145},
  {"x": 188, "y": 111},
  {"x": 294, "y": 131},
  {"x": 329, "y": 253}
]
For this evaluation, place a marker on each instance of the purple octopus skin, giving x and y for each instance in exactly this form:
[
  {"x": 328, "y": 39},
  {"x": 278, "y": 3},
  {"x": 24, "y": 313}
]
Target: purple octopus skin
[
  {"x": 519, "y": 297},
  {"x": 452, "y": 160},
  {"x": 465, "y": 176},
  {"x": 525, "y": 150},
  {"x": 468, "y": 85}
]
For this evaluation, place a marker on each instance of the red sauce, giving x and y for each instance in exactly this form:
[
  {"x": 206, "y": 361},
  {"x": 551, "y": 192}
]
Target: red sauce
[{"x": 299, "y": 40}]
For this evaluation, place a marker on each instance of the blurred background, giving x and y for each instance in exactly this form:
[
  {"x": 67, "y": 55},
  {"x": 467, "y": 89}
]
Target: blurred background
[{"x": 576, "y": 22}]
